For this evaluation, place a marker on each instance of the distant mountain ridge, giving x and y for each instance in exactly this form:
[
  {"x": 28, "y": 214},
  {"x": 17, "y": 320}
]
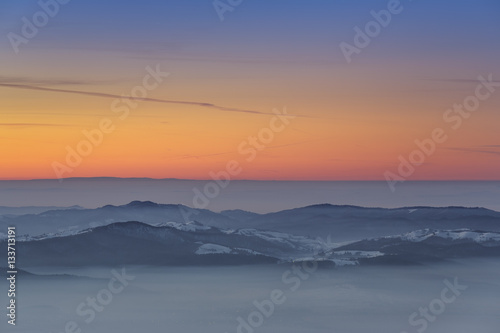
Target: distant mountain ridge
[
  {"x": 342, "y": 222},
  {"x": 136, "y": 243},
  {"x": 148, "y": 233},
  {"x": 4, "y": 210}
]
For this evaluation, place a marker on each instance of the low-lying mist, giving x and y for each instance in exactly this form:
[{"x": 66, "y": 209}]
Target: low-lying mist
[{"x": 453, "y": 297}]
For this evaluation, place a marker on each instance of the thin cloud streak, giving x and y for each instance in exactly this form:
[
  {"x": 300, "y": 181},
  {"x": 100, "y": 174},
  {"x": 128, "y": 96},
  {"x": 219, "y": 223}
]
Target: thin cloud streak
[
  {"x": 31, "y": 125},
  {"x": 474, "y": 150},
  {"x": 458, "y": 80},
  {"x": 146, "y": 99},
  {"x": 49, "y": 82}
]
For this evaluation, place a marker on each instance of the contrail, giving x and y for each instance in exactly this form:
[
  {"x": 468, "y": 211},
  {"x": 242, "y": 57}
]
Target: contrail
[{"x": 146, "y": 99}]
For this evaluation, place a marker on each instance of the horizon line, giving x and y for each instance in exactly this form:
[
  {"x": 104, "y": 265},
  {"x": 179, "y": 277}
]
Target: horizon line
[{"x": 255, "y": 180}]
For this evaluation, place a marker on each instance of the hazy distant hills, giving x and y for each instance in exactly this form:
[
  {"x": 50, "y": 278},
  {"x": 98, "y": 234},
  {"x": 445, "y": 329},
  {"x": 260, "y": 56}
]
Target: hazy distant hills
[
  {"x": 135, "y": 243},
  {"x": 160, "y": 234},
  {"x": 31, "y": 209},
  {"x": 79, "y": 219},
  {"x": 429, "y": 245},
  {"x": 341, "y": 223},
  {"x": 141, "y": 244},
  {"x": 352, "y": 222}
]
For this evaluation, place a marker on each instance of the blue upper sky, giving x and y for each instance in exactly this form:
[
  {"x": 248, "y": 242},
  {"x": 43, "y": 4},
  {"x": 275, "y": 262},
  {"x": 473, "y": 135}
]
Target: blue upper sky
[{"x": 287, "y": 29}]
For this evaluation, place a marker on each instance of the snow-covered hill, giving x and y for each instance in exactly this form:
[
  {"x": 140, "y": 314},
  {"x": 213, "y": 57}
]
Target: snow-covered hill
[
  {"x": 175, "y": 235},
  {"x": 429, "y": 244},
  {"x": 461, "y": 234},
  {"x": 341, "y": 223}
]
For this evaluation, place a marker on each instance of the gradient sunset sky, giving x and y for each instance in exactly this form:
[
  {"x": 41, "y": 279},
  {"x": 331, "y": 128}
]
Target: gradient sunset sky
[{"x": 353, "y": 119}]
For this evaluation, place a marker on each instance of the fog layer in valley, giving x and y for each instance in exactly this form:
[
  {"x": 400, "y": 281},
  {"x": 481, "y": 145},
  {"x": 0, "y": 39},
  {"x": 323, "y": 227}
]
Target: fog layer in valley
[{"x": 357, "y": 299}]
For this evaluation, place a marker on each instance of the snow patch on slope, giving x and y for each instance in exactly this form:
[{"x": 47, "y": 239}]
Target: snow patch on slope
[
  {"x": 359, "y": 254},
  {"x": 344, "y": 262},
  {"x": 248, "y": 251},
  {"x": 65, "y": 233},
  {"x": 338, "y": 262},
  {"x": 476, "y": 236},
  {"x": 212, "y": 249},
  {"x": 278, "y": 237},
  {"x": 189, "y": 226}
]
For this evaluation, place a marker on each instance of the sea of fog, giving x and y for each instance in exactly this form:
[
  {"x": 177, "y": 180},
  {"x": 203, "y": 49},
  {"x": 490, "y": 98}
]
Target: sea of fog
[
  {"x": 211, "y": 299},
  {"x": 257, "y": 196}
]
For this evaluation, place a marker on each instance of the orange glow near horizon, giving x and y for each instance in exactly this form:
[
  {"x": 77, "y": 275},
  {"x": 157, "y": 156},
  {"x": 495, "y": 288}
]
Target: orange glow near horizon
[{"x": 345, "y": 130}]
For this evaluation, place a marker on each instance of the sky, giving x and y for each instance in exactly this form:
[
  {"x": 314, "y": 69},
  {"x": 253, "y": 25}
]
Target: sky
[{"x": 230, "y": 70}]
